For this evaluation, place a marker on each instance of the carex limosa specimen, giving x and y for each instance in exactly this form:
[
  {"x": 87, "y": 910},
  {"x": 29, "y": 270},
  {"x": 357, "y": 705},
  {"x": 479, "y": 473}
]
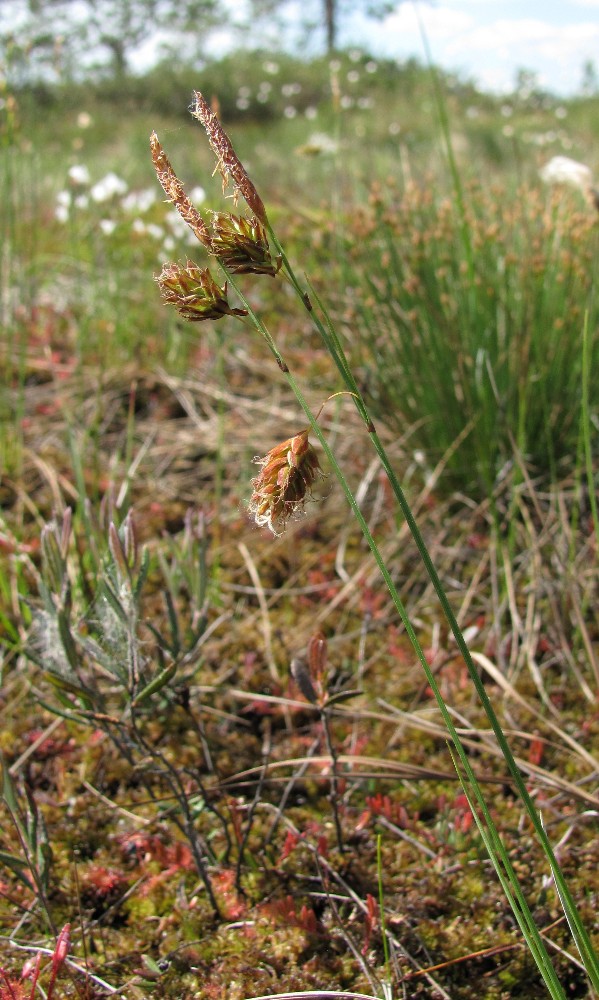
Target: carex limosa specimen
[{"x": 250, "y": 258}]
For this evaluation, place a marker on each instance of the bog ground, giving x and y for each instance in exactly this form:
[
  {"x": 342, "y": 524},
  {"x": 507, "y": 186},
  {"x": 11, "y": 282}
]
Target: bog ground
[{"x": 223, "y": 765}]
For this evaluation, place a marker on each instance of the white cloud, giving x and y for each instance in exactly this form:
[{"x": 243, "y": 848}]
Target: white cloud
[
  {"x": 528, "y": 35},
  {"x": 555, "y": 52},
  {"x": 489, "y": 49},
  {"x": 399, "y": 33}
]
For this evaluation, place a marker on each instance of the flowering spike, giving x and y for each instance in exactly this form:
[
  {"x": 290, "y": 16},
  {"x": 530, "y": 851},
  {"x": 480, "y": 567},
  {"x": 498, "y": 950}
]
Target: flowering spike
[
  {"x": 173, "y": 190},
  {"x": 288, "y": 472},
  {"x": 241, "y": 245},
  {"x": 194, "y": 292},
  {"x": 228, "y": 163}
]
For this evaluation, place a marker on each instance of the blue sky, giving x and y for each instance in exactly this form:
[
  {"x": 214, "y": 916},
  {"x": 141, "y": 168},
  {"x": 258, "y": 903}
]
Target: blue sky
[{"x": 488, "y": 40}]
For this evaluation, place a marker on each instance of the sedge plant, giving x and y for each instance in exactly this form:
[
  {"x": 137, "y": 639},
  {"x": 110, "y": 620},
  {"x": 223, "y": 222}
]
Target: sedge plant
[{"x": 249, "y": 245}]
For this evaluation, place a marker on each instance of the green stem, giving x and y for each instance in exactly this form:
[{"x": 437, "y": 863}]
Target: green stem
[
  {"x": 521, "y": 909},
  {"x": 586, "y": 423}
]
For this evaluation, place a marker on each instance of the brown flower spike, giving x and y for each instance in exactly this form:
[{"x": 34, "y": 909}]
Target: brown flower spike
[
  {"x": 228, "y": 163},
  {"x": 194, "y": 292},
  {"x": 239, "y": 244},
  {"x": 173, "y": 190},
  {"x": 288, "y": 472}
]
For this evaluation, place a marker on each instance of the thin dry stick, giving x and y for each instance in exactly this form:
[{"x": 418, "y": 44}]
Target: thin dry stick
[
  {"x": 266, "y": 751},
  {"x": 334, "y": 793},
  {"x": 68, "y": 961},
  {"x": 266, "y": 627},
  {"x": 374, "y": 981},
  {"x": 592, "y": 657},
  {"x": 288, "y": 790},
  {"x": 15, "y": 768},
  {"x": 499, "y": 679},
  {"x": 113, "y": 805}
]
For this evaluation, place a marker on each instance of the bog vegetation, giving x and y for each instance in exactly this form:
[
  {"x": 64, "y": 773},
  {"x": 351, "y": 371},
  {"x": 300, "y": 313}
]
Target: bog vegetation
[{"x": 239, "y": 761}]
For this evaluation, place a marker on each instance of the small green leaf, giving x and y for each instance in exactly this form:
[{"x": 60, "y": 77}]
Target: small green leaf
[
  {"x": 16, "y": 866},
  {"x": 66, "y": 638},
  {"x": 156, "y": 683},
  {"x": 114, "y": 602},
  {"x": 173, "y": 622},
  {"x": 152, "y": 967},
  {"x": 142, "y": 576},
  {"x": 8, "y": 791}
]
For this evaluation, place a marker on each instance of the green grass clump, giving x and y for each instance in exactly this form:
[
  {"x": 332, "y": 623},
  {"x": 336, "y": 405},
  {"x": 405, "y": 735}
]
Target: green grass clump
[{"x": 478, "y": 346}]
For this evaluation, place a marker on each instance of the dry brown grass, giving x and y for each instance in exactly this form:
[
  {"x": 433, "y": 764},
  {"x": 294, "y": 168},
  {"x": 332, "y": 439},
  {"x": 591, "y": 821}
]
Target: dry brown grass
[{"x": 525, "y": 601}]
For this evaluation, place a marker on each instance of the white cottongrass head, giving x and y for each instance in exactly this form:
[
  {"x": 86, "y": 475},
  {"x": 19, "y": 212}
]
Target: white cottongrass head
[
  {"x": 141, "y": 228},
  {"x": 179, "y": 228},
  {"x": 139, "y": 201},
  {"x": 563, "y": 170},
  {"x": 109, "y": 186},
  {"x": 197, "y": 195},
  {"x": 63, "y": 206},
  {"x": 323, "y": 143},
  {"x": 319, "y": 144},
  {"x": 79, "y": 175}
]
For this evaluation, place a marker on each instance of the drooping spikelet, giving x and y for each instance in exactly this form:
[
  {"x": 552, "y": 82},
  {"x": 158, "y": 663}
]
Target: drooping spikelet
[
  {"x": 287, "y": 475},
  {"x": 241, "y": 245},
  {"x": 228, "y": 163},
  {"x": 194, "y": 292}
]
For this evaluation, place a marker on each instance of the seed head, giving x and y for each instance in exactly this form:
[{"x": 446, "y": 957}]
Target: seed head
[
  {"x": 228, "y": 163},
  {"x": 241, "y": 245},
  {"x": 288, "y": 472},
  {"x": 173, "y": 190},
  {"x": 194, "y": 292}
]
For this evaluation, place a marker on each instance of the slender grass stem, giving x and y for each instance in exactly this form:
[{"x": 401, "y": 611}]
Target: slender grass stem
[
  {"x": 499, "y": 856},
  {"x": 586, "y": 423}
]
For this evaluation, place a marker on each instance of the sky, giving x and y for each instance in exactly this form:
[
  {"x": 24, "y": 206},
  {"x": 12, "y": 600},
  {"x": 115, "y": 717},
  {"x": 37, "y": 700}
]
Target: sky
[
  {"x": 486, "y": 41},
  {"x": 489, "y": 40}
]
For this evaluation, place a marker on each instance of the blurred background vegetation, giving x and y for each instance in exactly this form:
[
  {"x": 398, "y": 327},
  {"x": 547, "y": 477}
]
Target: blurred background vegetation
[{"x": 455, "y": 295}]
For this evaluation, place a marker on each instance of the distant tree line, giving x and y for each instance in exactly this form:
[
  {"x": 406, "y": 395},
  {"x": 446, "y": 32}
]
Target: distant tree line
[{"x": 72, "y": 39}]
